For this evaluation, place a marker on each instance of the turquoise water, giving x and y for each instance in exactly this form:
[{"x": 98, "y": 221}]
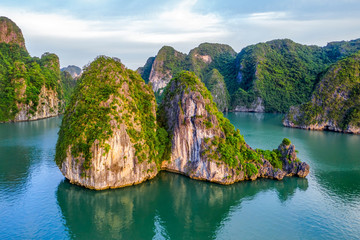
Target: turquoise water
[{"x": 36, "y": 202}]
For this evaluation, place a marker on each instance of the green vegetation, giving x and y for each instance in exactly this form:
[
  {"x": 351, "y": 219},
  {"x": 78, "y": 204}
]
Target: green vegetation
[
  {"x": 284, "y": 73},
  {"x": 215, "y": 83},
  {"x": 337, "y": 50},
  {"x": 243, "y": 98},
  {"x": 274, "y": 156},
  {"x": 222, "y": 58},
  {"x": 231, "y": 148},
  {"x": 169, "y": 60},
  {"x": 107, "y": 96},
  {"x": 281, "y": 72},
  {"x": 22, "y": 77},
  {"x": 68, "y": 85},
  {"x": 336, "y": 98},
  {"x": 286, "y": 142}
]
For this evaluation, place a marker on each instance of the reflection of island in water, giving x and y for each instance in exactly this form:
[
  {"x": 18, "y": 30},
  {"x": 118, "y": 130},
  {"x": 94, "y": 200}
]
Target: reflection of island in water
[{"x": 170, "y": 205}]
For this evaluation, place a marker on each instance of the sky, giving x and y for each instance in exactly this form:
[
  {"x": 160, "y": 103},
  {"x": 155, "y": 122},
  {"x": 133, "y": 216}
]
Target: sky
[{"x": 133, "y": 30}]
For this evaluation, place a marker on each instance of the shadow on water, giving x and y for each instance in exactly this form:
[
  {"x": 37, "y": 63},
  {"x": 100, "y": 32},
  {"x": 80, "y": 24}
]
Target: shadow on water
[{"x": 169, "y": 206}]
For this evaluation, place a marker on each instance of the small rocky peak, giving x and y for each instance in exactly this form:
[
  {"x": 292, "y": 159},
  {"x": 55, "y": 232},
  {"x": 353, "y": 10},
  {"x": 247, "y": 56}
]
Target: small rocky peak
[
  {"x": 73, "y": 70},
  {"x": 188, "y": 101},
  {"x": 51, "y": 61},
  {"x": 213, "y": 50},
  {"x": 291, "y": 164},
  {"x": 10, "y": 33}
]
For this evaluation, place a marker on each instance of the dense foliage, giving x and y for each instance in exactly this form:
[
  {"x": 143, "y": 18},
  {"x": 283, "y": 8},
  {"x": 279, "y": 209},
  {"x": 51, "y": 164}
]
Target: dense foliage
[
  {"x": 337, "y": 50},
  {"x": 215, "y": 83},
  {"x": 336, "y": 98},
  {"x": 281, "y": 72},
  {"x": 107, "y": 96},
  {"x": 22, "y": 77},
  {"x": 68, "y": 85}
]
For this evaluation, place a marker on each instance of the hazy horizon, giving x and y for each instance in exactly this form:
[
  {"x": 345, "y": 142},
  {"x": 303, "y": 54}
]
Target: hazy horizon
[{"x": 78, "y": 31}]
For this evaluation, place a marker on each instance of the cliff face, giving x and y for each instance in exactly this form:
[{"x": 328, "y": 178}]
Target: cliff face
[
  {"x": 108, "y": 134},
  {"x": 167, "y": 62},
  {"x": 48, "y": 105},
  {"x": 10, "y": 33},
  {"x": 30, "y": 87},
  {"x": 335, "y": 103},
  {"x": 206, "y": 146}
]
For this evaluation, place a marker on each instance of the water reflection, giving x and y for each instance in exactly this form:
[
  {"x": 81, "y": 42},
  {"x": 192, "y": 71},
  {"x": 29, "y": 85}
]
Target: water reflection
[{"x": 169, "y": 206}]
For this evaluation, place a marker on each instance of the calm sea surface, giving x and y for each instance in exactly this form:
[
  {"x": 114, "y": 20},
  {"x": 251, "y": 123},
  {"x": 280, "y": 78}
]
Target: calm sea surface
[{"x": 36, "y": 202}]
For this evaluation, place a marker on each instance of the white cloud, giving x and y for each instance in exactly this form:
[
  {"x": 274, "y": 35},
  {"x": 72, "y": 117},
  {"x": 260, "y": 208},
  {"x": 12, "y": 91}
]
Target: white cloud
[
  {"x": 178, "y": 24},
  {"x": 134, "y": 38},
  {"x": 265, "y": 26}
]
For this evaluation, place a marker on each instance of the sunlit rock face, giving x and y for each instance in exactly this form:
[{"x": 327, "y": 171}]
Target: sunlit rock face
[{"x": 106, "y": 139}]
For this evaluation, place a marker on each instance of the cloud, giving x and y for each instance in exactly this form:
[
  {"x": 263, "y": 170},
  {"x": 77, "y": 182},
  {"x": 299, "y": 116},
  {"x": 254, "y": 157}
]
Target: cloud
[
  {"x": 66, "y": 34},
  {"x": 134, "y": 32},
  {"x": 177, "y": 24},
  {"x": 265, "y": 26}
]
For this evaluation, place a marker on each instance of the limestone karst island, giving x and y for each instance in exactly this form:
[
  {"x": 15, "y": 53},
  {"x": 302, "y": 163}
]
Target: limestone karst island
[{"x": 182, "y": 119}]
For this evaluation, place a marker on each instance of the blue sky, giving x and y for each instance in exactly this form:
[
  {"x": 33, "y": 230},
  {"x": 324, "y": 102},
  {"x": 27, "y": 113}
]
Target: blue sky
[{"x": 133, "y": 30}]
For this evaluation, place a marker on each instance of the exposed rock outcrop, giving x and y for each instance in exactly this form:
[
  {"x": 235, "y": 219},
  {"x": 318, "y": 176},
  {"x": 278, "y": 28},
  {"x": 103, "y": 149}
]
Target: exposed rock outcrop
[
  {"x": 107, "y": 137},
  {"x": 166, "y": 63},
  {"x": 10, "y": 33},
  {"x": 335, "y": 103},
  {"x": 48, "y": 106},
  {"x": 206, "y": 146}
]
